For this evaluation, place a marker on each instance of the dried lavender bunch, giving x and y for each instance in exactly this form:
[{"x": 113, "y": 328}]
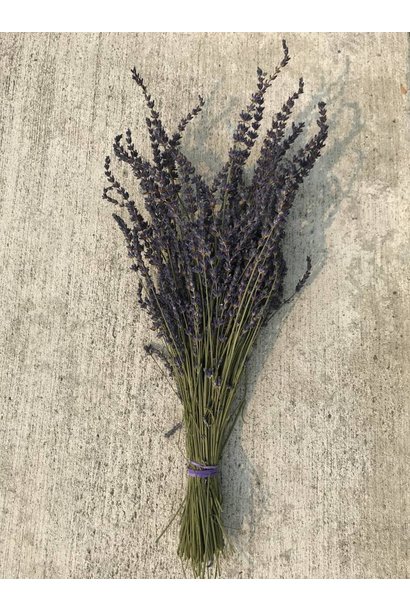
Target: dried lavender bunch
[{"x": 210, "y": 271}]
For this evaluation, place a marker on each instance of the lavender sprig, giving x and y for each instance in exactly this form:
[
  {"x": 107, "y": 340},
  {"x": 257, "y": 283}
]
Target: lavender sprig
[{"x": 210, "y": 271}]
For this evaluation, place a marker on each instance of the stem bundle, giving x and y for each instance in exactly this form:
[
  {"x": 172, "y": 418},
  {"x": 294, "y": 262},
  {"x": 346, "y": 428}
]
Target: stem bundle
[{"x": 210, "y": 274}]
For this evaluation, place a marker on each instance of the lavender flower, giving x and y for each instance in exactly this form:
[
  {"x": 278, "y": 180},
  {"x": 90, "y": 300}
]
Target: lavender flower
[{"x": 210, "y": 271}]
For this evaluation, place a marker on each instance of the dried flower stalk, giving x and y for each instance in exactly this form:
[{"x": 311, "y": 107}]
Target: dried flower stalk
[{"x": 210, "y": 273}]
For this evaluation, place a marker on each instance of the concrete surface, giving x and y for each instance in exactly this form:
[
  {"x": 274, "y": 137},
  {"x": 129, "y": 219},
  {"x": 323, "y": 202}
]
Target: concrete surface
[{"x": 316, "y": 478}]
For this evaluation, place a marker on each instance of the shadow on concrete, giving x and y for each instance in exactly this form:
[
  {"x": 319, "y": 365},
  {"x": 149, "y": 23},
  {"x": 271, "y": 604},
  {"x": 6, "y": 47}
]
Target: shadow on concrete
[
  {"x": 313, "y": 212},
  {"x": 315, "y": 207}
]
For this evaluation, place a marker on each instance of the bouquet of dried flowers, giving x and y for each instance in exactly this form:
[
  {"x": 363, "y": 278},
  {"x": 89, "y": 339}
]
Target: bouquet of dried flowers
[{"x": 210, "y": 274}]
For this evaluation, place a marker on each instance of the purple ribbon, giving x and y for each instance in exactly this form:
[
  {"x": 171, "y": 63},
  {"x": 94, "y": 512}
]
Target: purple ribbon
[{"x": 202, "y": 471}]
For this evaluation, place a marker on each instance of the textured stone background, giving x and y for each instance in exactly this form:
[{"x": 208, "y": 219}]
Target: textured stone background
[{"x": 316, "y": 479}]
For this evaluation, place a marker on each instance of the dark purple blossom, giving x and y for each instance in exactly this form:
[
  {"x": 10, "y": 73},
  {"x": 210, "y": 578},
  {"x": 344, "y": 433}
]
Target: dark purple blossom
[{"x": 209, "y": 258}]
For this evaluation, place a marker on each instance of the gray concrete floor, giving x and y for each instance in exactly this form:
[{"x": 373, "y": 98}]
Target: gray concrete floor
[{"x": 316, "y": 478}]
